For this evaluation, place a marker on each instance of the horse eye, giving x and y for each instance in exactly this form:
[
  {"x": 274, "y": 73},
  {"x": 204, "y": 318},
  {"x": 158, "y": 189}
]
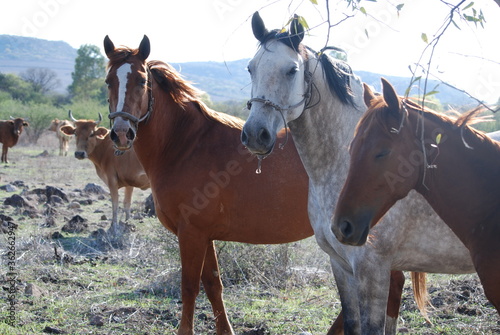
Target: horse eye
[
  {"x": 383, "y": 153},
  {"x": 292, "y": 71}
]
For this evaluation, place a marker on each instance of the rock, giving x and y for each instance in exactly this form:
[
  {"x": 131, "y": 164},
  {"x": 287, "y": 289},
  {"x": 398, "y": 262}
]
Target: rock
[
  {"x": 94, "y": 188},
  {"x": 53, "y": 330},
  {"x": 55, "y": 200},
  {"x": 77, "y": 224},
  {"x": 8, "y": 188},
  {"x": 18, "y": 202},
  {"x": 149, "y": 205},
  {"x": 51, "y": 191},
  {"x": 56, "y": 235},
  {"x": 96, "y": 320},
  {"x": 34, "y": 291}
]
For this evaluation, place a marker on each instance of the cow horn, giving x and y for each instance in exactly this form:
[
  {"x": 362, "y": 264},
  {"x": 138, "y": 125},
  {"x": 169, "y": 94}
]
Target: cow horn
[
  {"x": 12, "y": 118},
  {"x": 71, "y": 116},
  {"x": 100, "y": 119}
]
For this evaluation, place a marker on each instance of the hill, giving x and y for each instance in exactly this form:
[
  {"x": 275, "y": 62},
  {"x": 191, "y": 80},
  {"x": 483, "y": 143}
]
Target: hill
[
  {"x": 20, "y": 53},
  {"x": 223, "y": 81}
]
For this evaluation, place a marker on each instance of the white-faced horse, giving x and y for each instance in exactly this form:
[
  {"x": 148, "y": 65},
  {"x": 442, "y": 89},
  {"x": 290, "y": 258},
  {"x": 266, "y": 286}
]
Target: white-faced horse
[{"x": 321, "y": 101}]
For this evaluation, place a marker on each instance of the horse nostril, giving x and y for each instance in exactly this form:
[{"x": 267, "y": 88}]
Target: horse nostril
[
  {"x": 113, "y": 135},
  {"x": 244, "y": 137},
  {"x": 346, "y": 228},
  {"x": 130, "y": 134},
  {"x": 264, "y": 136}
]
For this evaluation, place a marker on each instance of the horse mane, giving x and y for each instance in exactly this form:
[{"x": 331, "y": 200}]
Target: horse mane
[
  {"x": 182, "y": 92},
  {"x": 337, "y": 72},
  {"x": 462, "y": 122}
]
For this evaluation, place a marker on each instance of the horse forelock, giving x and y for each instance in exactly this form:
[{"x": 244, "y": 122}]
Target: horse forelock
[{"x": 121, "y": 55}]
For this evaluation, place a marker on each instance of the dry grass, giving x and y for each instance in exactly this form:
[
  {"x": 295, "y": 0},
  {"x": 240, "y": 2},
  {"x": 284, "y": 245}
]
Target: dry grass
[{"x": 89, "y": 286}]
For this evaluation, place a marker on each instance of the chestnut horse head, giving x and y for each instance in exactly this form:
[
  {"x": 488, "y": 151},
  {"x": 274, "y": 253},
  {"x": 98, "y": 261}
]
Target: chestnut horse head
[
  {"x": 129, "y": 90},
  {"x": 379, "y": 173}
]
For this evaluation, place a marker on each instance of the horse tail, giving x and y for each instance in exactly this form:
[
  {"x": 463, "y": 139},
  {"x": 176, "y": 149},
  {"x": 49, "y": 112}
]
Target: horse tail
[{"x": 419, "y": 284}]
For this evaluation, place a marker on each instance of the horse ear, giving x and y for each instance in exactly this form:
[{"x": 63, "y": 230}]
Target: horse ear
[
  {"x": 296, "y": 32},
  {"x": 390, "y": 96},
  {"x": 368, "y": 94},
  {"x": 258, "y": 27},
  {"x": 144, "y": 48},
  {"x": 109, "y": 47}
]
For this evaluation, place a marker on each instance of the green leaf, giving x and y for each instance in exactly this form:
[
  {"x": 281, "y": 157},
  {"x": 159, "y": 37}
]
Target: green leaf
[
  {"x": 366, "y": 33},
  {"x": 430, "y": 93},
  {"x": 469, "y": 6},
  {"x": 362, "y": 10},
  {"x": 303, "y": 22},
  {"x": 438, "y": 138},
  {"x": 414, "y": 80},
  {"x": 400, "y": 6},
  {"x": 424, "y": 38},
  {"x": 314, "y": 2}
]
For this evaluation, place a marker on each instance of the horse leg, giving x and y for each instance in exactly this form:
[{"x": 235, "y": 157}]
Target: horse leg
[
  {"x": 348, "y": 292},
  {"x": 127, "y": 201},
  {"x": 213, "y": 288},
  {"x": 373, "y": 281},
  {"x": 393, "y": 304},
  {"x": 193, "y": 249}
]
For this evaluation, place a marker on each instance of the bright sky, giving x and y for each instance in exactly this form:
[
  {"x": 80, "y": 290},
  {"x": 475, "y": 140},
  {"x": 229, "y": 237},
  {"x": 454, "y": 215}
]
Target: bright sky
[{"x": 218, "y": 30}]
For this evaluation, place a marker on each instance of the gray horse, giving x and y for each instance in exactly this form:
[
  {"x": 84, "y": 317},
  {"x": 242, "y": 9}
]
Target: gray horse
[{"x": 321, "y": 101}]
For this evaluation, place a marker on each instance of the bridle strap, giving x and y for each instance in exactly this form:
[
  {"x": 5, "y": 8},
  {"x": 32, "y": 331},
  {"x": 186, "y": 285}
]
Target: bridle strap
[{"x": 151, "y": 100}]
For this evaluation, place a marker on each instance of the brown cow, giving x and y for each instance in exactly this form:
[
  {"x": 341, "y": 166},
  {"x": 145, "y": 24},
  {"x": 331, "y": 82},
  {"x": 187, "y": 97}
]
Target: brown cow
[
  {"x": 93, "y": 142},
  {"x": 9, "y": 134},
  {"x": 55, "y": 126}
]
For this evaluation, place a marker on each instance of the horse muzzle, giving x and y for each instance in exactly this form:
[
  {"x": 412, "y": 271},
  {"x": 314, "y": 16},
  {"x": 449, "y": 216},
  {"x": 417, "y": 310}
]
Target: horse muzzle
[
  {"x": 352, "y": 231},
  {"x": 258, "y": 141},
  {"x": 122, "y": 134}
]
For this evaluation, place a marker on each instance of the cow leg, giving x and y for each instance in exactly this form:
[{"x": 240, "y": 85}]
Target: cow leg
[
  {"x": 113, "y": 190},
  {"x": 61, "y": 147},
  {"x": 127, "y": 201},
  {"x": 193, "y": 248},
  {"x": 4, "y": 153},
  {"x": 213, "y": 287}
]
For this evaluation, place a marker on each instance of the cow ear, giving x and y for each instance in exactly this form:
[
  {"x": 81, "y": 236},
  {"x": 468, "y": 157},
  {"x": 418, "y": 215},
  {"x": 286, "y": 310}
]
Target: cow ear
[
  {"x": 368, "y": 95},
  {"x": 25, "y": 124},
  {"x": 109, "y": 47},
  {"x": 67, "y": 130},
  {"x": 101, "y": 133}
]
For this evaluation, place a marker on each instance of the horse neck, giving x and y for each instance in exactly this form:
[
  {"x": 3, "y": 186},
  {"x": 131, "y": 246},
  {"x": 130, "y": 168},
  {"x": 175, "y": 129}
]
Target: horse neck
[
  {"x": 464, "y": 187},
  {"x": 322, "y": 134},
  {"x": 171, "y": 130}
]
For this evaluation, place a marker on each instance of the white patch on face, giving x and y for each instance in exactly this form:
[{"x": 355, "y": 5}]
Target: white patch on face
[{"x": 122, "y": 75}]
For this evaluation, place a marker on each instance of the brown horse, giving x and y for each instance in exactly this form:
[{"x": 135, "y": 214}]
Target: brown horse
[
  {"x": 203, "y": 179},
  {"x": 401, "y": 146}
]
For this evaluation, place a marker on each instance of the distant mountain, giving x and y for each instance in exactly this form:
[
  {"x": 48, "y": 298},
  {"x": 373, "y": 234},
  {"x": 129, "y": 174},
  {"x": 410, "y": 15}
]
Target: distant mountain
[
  {"x": 20, "y": 53},
  {"x": 223, "y": 81}
]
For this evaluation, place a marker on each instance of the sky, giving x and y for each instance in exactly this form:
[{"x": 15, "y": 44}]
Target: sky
[{"x": 384, "y": 41}]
